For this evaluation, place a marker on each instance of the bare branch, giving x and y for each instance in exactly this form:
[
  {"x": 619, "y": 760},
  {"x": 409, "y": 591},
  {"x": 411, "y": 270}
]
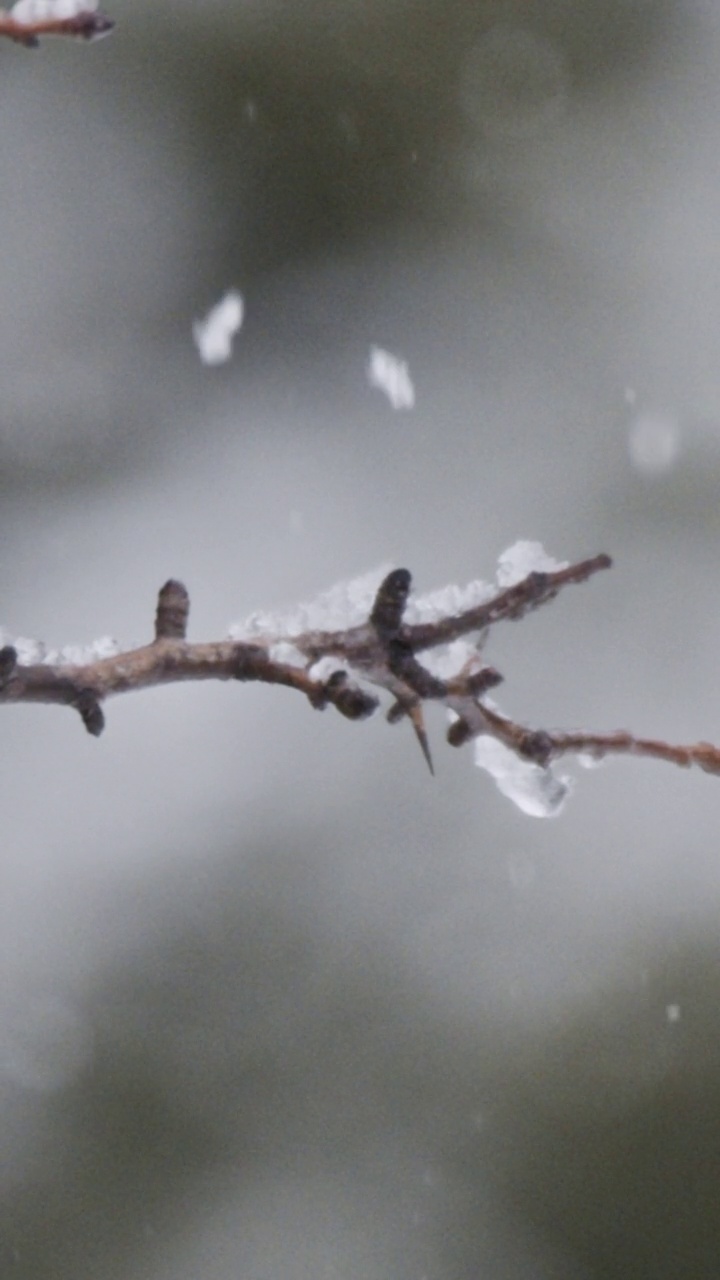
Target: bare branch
[{"x": 382, "y": 652}]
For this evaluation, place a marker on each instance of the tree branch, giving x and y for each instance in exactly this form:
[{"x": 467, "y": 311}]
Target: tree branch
[
  {"x": 381, "y": 651},
  {"x": 30, "y": 19}
]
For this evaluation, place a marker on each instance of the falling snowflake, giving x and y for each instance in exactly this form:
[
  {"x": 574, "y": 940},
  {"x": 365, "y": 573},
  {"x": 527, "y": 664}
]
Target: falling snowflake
[
  {"x": 214, "y": 335},
  {"x": 390, "y": 375}
]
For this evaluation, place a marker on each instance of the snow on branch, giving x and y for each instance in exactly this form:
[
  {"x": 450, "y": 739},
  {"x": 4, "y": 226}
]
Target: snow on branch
[
  {"x": 30, "y": 19},
  {"x": 365, "y": 633}
]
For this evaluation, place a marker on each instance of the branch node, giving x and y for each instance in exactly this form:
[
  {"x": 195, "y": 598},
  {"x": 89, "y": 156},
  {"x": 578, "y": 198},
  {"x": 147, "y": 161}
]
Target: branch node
[
  {"x": 535, "y": 745},
  {"x": 249, "y": 660}
]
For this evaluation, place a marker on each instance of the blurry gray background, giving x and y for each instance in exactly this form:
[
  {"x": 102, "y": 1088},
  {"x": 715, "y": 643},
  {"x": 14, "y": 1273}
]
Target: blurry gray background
[{"x": 274, "y": 1005}]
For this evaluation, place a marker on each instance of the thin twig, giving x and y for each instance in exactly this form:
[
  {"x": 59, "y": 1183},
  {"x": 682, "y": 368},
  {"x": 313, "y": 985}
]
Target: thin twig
[
  {"x": 87, "y": 24},
  {"x": 382, "y": 652}
]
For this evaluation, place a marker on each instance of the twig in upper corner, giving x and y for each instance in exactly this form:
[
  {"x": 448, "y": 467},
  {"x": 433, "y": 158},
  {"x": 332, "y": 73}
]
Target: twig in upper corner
[{"x": 28, "y": 20}]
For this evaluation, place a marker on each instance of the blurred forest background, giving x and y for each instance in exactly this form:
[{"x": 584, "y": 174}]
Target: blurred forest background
[{"x": 275, "y": 1005}]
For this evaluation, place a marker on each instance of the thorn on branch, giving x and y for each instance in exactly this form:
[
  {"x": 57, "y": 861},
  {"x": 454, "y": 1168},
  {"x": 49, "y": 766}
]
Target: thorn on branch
[
  {"x": 173, "y": 608},
  {"x": 417, "y": 720}
]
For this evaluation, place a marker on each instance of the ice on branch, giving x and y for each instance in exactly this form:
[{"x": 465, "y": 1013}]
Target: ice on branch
[
  {"x": 362, "y": 633},
  {"x": 447, "y": 601},
  {"x": 34, "y": 652},
  {"x": 391, "y": 376},
  {"x": 447, "y": 660},
  {"x": 523, "y": 558},
  {"x": 533, "y": 788},
  {"x": 347, "y": 604},
  {"x": 29, "y": 12},
  {"x": 77, "y": 655},
  {"x": 214, "y": 334}
]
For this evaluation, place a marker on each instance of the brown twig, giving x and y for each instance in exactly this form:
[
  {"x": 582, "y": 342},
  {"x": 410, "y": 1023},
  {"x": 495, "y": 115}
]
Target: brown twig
[
  {"x": 382, "y": 652},
  {"x": 87, "y": 24}
]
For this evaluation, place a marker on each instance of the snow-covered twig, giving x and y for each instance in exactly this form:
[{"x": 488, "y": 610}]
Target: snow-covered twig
[
  {"x": 334, "y": 667},
  {"x": 30, "y": 19}
]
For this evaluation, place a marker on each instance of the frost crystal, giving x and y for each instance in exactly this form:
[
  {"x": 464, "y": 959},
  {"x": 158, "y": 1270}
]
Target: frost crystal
[
  {"x": 29, "y": 11},
  {"x": 523, "y": 558},
  {"x": 390, "y": 375},
  {"x": 286, "y": 653},
  {"x": 535, "y": 790},
  {"x": 214, "y": 335},
  {"x": 346, "y": 605},
  {"x": 448, "y": 660},
  {"x": 28, "y": 651},
  {"x": 78, "y": 655},
  {"x": 326, "y": 667},
  {"x": 33, "y": 652},
  {"x": 447, "y": 601}
]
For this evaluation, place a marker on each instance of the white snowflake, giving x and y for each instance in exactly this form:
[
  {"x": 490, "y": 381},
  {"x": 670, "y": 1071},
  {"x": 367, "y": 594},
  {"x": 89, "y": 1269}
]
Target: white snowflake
[
  {"x": 214, "y": 335},
  {"x": 390, "y": 375}
]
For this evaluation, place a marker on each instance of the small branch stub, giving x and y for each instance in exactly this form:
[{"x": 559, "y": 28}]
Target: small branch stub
[{"x": 173, "y": 608}]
